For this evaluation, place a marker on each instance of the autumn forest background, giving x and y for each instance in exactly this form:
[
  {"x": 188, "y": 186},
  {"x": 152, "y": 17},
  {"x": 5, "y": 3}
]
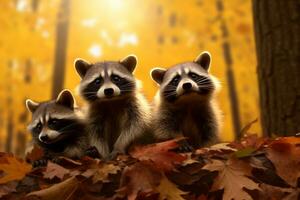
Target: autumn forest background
[{"x": 40, "y": 40}]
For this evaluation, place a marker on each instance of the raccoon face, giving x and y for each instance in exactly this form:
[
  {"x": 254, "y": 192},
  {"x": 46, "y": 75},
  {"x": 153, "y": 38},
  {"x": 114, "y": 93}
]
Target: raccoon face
[
  {"x": 53, "y": 121},
  {"x": 106, "y": 80},
  {"x": 186, "y": 78}
]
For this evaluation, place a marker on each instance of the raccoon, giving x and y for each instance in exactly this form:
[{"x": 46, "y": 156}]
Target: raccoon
[
  {"x": 57, "y": 128},
  {"x": 117, "y": 110},
  {"x": 185, "y": 104}
]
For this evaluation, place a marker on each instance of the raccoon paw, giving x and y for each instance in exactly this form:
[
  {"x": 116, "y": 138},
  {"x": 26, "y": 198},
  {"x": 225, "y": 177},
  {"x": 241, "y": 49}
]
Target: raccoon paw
[
  {"x": 39, "y": 163},
  {"x": 184, "y": 147},
  {"x": 92, "y": 152}
]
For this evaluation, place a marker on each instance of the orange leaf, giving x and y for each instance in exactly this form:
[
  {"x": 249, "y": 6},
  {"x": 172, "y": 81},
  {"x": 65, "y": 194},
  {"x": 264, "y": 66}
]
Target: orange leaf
[
  {"x": 13, "y": 168},
  {"x": 232, "y": 177},
  {"x": 285, "y": 155},
  {"x": 160, "y": 154},
  {"x": 60, "y": 191},
  {"x": 54, "y": 170}
]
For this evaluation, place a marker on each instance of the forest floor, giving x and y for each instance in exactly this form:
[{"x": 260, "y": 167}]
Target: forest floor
[{"x": 253, "y": 168}]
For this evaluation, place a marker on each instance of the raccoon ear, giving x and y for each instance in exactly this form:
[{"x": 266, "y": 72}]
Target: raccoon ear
[
  {"x": 158, "y": 74},
  {"x": 81, "y": 66},
  {"x": 31, "y": 105},
  {"x": 129, "y": 62},
  {"x": 66, "y": 98},
  {"x": 204, "y": 60}
]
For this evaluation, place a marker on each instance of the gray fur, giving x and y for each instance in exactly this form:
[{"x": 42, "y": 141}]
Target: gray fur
[
  {"x": 189, "y": 113},
  {"x": 120, "y": 120}
]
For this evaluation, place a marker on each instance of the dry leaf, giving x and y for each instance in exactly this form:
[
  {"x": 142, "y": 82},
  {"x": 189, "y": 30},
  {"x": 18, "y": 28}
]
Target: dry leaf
[
  {"x": 101, "y": 172},
  {"x": 60, "y": 191},
  {"x": 285, "y": 155},
  {"x": 160, "y": 154},
  {"x": 55, "y": 170},
  {"x": 13, "y": 168},
  {"x": 232, "y": 178},
  {"x": 36, "y": 153},
  {"x": 168, "y": 190},
  {"x": 138, "y": 178}
]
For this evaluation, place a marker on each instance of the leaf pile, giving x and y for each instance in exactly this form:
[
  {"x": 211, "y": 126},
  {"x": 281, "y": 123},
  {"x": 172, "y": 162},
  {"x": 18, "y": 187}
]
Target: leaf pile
[{"x": 253, "y": 168}]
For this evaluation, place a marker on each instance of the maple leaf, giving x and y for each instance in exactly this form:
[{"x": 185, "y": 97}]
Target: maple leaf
[
  {"x": 284, "y": 153},
  {"x": 138, "y": 178},
  {"x": 232, "y": 177},
  {"x": 168, "y": 190},
  {"x": 250, "y": 142},
  {"x": 101, "y": 172},
  {"x": 13, "y": 168},
  {"x": 160, "y": 154},
  {"x": 54, "y": 170},
  {"x": 61, "y": 191}
]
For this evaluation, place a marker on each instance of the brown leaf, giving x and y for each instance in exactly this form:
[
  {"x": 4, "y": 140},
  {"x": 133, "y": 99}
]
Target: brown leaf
[
  {"x": 160, "y": 154},
  {"x": 284, "y": 153},
  {"x": 232, "y": 178},
  {"x": 54, "y": 170},
  {"x": 13, "y": 168},
  {"x": 249, "y": 141},
  {"x": 101, "y": 172},
  {"x": 60, "y": 191},
  {"x": 168, "y": 190},
  {"x": 138, "y": 178}
]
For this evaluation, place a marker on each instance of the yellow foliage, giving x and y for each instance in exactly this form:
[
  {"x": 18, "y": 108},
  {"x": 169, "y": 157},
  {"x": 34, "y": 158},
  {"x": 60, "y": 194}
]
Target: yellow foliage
[{"x": 160, "y": 33}]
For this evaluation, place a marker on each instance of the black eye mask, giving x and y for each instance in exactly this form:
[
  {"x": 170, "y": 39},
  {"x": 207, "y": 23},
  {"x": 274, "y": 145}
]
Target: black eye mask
[{"x": 90, "y": 91}]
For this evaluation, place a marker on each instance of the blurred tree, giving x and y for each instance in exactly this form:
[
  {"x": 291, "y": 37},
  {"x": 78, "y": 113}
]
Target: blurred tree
[
  {"x": 234, "y": 103},
  {"x": 61, "y": 47},
  {"x": 277, "y": 28}
]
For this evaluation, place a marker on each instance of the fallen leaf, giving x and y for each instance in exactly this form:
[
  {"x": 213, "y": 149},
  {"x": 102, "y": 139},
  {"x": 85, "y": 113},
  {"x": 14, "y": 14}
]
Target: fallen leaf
[
  {"x": 284, "y": 153},
  {"x": 160, "y": 154},
  {"x": 168, "y": 190},
  {"x": 232, "y": 178},
  {"x": 13, "y": 168},
  {"x": 55, "y": 170},
  {"x": 101, "y": 172},
  {"x": 138, "y": 178},
  {"x": 60, "y": 191}
]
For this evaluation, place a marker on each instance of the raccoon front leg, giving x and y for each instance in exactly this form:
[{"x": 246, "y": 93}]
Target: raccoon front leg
[{"x": 124, "y": 140}]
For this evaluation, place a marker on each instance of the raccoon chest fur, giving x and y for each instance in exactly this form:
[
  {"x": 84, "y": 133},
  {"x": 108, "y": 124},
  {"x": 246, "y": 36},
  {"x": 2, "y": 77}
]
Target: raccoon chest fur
[{"x": 195, "y": 124}]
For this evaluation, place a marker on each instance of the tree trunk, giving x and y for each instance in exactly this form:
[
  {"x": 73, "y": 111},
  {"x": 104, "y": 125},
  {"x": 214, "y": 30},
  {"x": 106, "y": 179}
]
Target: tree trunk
[
  {"x": 234, "y": 102},
  {"x": 61, "y": 47},
  {"x": 277, "y": 32}
]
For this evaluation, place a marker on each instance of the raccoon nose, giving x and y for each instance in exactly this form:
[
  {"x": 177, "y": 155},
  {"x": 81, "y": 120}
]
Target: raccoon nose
[
  {"x": 44, "y": 138},
  {"x": 187, "y": 86},
  {"x": 108, "y": 91}
]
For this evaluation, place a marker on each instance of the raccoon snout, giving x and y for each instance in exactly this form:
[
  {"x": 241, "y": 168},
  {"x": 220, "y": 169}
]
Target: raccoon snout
[
  {"x": 187, "y": 86},
  {"x": 44, "y": 138},
  {"x": 109, "y": 92}
]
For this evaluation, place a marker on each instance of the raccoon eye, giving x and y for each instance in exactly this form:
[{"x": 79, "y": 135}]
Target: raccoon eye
[
  {"x": 97, "y": 81},
  {"x": 52, "y": 121},
  {"x": 115, "y": 78},
  {"x": 193, "y": 75},
  {"x": 39, "y": 126},
  {"x": 176, "y": 79}
]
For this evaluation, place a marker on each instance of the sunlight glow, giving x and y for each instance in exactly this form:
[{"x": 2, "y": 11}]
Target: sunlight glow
[
  {"x": 128, "y": 38},
  {"x": 95, "y": 50}
]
